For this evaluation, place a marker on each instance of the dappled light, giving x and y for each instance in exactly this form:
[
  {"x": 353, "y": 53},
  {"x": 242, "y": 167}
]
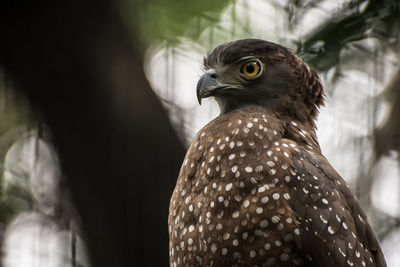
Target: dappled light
[
  {"x": 355, "y": 83},
  {"x": 43, "y": 221},
  {"x": 97, "y": 106}
]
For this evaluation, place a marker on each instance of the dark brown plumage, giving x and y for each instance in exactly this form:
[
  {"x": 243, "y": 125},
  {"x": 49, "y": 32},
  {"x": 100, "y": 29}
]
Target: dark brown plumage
[{"x": 254, "y": 188}]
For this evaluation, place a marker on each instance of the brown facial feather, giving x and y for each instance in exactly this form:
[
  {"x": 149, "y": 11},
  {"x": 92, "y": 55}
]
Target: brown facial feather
[{"x": 305, "y": 94}]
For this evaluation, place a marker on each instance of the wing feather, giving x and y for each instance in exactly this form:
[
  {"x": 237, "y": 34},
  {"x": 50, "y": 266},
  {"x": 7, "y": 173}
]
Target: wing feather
[{"x": 332, "y": 221}]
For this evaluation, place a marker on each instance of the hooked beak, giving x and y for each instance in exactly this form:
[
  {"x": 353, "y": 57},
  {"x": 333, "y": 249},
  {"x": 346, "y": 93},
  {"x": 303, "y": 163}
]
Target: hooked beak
[
  {"x": 209, "y": 86},
  {"x": 206, "y": 86}
]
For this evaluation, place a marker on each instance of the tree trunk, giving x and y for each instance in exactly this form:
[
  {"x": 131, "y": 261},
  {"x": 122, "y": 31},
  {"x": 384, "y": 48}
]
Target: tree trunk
[{"x": 77, "y": 66}]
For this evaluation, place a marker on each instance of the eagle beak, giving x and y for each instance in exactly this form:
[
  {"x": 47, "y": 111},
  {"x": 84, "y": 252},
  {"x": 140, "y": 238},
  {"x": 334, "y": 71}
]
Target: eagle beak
[{"x": 207, "y": 85}]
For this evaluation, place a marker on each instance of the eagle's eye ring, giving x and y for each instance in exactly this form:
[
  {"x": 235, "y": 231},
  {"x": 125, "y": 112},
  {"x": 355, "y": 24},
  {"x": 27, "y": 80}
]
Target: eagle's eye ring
[{"x": 251, "y": 69}]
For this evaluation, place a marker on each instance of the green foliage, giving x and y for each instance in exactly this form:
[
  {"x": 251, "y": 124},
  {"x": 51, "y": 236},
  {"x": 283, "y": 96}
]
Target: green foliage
[
  {"x": 14, "y": 109},
  {"x": 157, "y": 20}
]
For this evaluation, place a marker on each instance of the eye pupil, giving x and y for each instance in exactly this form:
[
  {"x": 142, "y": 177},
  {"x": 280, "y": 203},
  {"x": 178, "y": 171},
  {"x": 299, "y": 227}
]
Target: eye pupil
[{"x": 250, "y": 68}]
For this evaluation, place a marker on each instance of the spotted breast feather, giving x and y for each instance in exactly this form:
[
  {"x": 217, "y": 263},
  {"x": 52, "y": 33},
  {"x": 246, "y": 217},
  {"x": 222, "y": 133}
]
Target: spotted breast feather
[{"x": 254, "y": 195}]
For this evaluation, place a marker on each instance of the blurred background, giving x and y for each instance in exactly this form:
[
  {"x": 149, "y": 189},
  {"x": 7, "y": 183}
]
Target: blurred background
[{"x": 98, "y": 105}]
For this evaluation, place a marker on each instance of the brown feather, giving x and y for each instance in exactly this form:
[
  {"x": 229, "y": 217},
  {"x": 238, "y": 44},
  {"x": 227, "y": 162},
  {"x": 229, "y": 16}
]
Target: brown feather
[{"x": 254, "y": 188}]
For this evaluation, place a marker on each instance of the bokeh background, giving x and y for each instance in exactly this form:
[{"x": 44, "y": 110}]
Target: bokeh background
[{"x": 98, "y": 104}]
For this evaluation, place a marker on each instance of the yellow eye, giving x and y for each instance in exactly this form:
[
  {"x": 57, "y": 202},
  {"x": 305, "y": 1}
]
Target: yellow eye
[{"x": 250, "y": 69}]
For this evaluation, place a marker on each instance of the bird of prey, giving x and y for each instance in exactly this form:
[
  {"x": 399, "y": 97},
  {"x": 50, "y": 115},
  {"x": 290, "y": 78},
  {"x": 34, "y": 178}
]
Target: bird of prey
[{"x": 254, "y": 188}]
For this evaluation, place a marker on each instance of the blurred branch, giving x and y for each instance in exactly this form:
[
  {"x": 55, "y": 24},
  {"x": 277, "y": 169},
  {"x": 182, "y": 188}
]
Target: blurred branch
[
  {"x": 380, "y": 19},
  {"x": 297, "y": 9},
  {"x": 387, "y": 136}
]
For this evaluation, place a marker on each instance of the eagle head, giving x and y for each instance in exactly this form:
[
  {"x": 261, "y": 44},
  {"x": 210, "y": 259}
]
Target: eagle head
[{"x": 254, "y": 72}]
